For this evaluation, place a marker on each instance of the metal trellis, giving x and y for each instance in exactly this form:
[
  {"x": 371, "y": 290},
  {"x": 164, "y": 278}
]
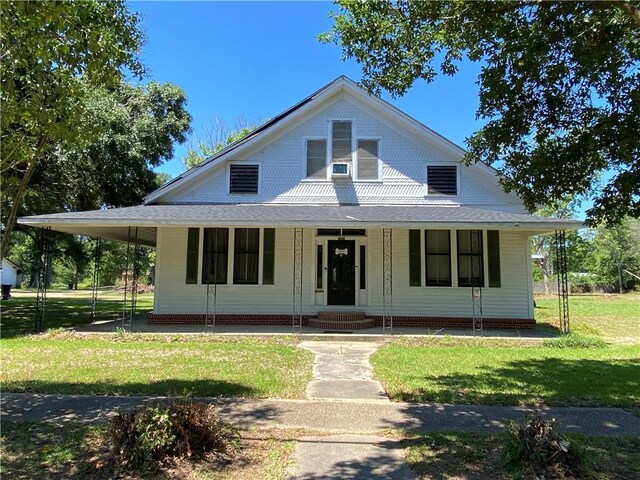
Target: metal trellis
[
  {"x": 563, "y": 282},
  {"x": 298, "y": 244},
  {"x": 387, "y": 281},
  {"x": 476, "y": 288},
  {"x": 44, "y": 263},
  {"x": 97, "y": 256}
]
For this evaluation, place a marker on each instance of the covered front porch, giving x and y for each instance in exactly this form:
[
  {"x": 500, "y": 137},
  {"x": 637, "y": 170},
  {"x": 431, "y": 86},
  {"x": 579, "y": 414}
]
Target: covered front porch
[{"x": 289, "y": 266}]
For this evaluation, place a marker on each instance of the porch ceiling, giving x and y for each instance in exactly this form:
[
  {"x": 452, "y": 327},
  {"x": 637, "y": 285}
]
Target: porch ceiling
[{"x": 114, "y": 223}]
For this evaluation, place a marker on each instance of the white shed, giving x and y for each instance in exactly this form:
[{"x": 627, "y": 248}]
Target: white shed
[{"x": 10, "y": 273}]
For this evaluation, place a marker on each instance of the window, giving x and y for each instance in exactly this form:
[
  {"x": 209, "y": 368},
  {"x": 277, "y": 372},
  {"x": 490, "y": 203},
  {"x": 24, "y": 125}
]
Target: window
[
  {"x": 243, "y": 178},
  {"x": 367, "y": 159},
  {"x": 493, "y": 256},
  {"x": 442, "y": 180},
  {"x": 319, "y": 267},
  {"x": 363, "y": 267},
  {"x": 215, "y": 255},
  {"x": 193, "y": 247},
  {"x": 341, "y": 142},
  {"x": 268, "y": 256},
  {"x": 317, "y": 158},
  {"x": 437, "y": 244},
  {"x": 415, "y": 268},
  {"x": 470, "y": 266},
  {"x": 246, "y": 250}
]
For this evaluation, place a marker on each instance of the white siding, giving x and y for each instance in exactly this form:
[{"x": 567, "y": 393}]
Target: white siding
[
  {"x": 512, "y": 300},
  {"x": 404, "y": 160}
]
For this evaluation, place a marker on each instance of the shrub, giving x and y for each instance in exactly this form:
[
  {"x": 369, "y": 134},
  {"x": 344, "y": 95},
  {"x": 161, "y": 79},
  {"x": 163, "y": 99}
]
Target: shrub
[
  {"x": 573, "y": 340},
  {"x": 536, "y": 450},
  {"x": 161, "y": 433}
]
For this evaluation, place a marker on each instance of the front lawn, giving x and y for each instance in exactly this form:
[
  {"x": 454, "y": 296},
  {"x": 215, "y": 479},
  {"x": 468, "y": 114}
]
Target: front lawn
[
  {"x": 482, "y": 372},
  {"x": 64, "y": 308},
  {"x": 155, "y": 365},
  {"x": 615, "y": 318},
  {"x": 72, "y": 451},
  {"x": 472, "y": 456}
]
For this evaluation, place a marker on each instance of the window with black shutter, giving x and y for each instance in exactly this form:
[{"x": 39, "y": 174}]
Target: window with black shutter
[
  {"x": 243, "y": 178},
  {"x": 442, "y": 180}
]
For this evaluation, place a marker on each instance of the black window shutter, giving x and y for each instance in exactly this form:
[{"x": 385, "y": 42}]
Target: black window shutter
[
  {"x": 415, "y": 263},
  {"x": 268, "y": 256},
  {"x": 243, "y": 179},
  {"x": 193, "y": 245},
  {"x": 493, "y": 253},
  {"x": 442, "y": 180}
]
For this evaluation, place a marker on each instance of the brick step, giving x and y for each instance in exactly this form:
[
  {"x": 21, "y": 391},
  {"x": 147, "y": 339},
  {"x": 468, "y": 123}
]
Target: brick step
[
  {"x": 341, "y": 316},
  {"x": 342, "y": 325}
]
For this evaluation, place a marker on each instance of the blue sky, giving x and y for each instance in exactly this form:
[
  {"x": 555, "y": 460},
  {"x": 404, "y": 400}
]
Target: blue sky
[{"x": 256, "y": 59}]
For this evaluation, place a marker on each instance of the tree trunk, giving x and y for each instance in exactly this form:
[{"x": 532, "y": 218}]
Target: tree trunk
[
  {"x": 20, "y": 193},
  {"x": 544, "y": 266},
  {"x": 620, "y": 278}
]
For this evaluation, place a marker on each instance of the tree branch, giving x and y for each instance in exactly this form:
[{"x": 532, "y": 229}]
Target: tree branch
[{"x": 19, "y": 196}]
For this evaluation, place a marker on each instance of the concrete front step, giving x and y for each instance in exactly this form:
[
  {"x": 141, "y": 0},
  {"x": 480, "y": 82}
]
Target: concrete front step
[
  {"x": 341, "y": 316},
  {"x": 342, "y": 325}
]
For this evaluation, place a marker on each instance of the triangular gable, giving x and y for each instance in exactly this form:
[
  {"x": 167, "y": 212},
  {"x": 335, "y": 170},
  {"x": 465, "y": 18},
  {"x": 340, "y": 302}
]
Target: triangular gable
[{"x": 286, "y": 118}]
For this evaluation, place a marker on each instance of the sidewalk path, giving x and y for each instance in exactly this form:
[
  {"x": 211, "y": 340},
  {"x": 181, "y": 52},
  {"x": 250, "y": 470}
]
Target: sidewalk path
[
  {"x": 341, "y": 370},
  {"x": 339, "y": 416}
]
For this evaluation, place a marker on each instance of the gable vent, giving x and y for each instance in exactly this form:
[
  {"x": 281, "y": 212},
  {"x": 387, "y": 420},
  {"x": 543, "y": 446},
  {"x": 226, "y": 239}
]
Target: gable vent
[
  {"x": 442, "y": 180},
  {"x": 243, "y": 178}
]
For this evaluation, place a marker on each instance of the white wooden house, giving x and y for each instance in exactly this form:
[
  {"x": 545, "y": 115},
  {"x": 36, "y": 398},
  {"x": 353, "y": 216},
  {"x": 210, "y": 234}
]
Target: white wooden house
[{"x": 341, "y": 204}]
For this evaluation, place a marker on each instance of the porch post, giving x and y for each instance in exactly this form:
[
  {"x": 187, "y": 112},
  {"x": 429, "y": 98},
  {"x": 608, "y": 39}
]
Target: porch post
[
  {"x": 387, "y": 281},
  {"x": 97, "y": 254},
  {"x": 476, "y": 290},
  {"x": 563, "y": 283},
  {"x": 298, "y": 244},
  {"x": 44, "y": 263}
]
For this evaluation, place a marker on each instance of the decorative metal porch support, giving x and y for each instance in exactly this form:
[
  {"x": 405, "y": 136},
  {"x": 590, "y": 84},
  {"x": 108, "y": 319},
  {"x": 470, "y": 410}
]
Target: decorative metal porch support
[
  {"x": 563, "y": 283},
  {"x": 212, "y": 297},
  {"x": 476, "y": 298},
  {"x": 44, "y": 263},
  {"x": 476, "y": 290},
  {"x": 133, "y": 255},
  {"x": 298, "y": 245},
  {"x": 387, "y": 281},
  {"x": 97, "y": 256}
]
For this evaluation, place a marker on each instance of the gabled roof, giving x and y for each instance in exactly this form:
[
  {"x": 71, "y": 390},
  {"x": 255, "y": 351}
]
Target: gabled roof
[{"x": 279, "y": 121}]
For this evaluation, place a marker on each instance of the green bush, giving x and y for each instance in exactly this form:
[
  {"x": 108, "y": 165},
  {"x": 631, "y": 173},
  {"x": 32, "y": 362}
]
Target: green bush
[
  {"x": 536, "y": 450},
  {"x": 573, "y": 340},
  {"x": 161, "y": 433}
]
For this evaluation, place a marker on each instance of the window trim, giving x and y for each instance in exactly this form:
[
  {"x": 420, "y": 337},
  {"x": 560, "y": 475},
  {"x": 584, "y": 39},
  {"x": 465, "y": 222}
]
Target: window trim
[
  {"x": 356, "y": 178},
  {"x": 441, "y": 195},
  {"x": 482, "y": 254},
  {"x": 228, "y": 179},
  {"x": 426, "y": 256}
]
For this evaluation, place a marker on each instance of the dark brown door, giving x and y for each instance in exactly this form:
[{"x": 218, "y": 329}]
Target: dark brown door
[{"x": 342, "y": 278}]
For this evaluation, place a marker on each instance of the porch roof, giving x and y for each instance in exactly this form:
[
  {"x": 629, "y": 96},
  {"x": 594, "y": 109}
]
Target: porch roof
[{"x": 114, "y": 223}]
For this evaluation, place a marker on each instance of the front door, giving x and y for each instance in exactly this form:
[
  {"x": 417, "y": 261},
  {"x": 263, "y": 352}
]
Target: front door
[{"x": 342, "y": 278}]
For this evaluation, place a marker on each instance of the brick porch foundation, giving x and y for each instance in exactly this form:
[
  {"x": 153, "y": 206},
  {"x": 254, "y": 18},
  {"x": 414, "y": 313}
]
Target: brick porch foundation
[{"x": 285, "y": 319}]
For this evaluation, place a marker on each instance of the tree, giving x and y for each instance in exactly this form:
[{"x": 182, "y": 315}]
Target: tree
[
  {"x": 559, "y": 85},
  {"x": 53, "y": 54},
  {"x": 214, "y": 137},
  {"x": 615, "y": 249}
]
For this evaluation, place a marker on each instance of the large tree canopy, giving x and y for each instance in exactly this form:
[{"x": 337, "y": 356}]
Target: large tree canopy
[
  {"x": 53, "y": 54},
  {"x": 559, "y": 86}
]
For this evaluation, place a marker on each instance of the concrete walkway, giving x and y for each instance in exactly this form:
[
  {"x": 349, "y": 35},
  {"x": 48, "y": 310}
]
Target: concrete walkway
[
  {"x": 338, "y": 416},
  {"x": 342, "y": 370}
]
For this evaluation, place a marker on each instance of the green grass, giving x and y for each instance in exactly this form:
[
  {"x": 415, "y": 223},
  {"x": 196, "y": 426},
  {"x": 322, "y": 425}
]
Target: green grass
[
  {"x": 155, "y": 365},
  {"x": 64, "y": 308},
  {"x": 472, "y": 456},
  {"x": 616, "y": 318},
  {"x": 480, "y": 372},
  {"x": 72, "y": 451}
]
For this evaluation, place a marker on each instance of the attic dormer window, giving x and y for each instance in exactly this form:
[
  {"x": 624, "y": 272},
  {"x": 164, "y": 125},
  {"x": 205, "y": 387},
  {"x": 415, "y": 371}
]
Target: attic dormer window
[
  {"x": 341, "y": 141},
  {"x": 442, "y": 180},
  {"x": 243, "y": 178}
]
